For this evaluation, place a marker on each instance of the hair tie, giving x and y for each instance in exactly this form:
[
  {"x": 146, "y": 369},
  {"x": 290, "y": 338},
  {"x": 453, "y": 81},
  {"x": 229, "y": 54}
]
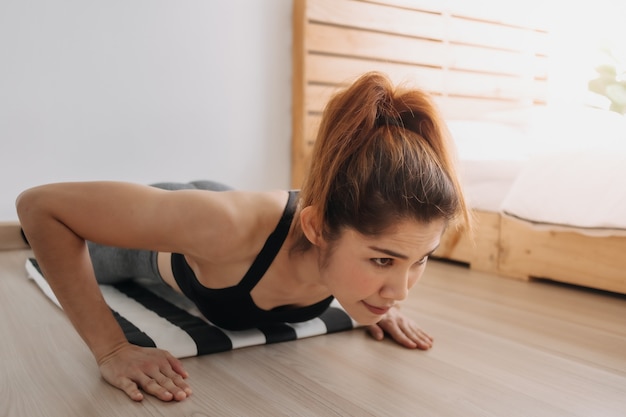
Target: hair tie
[{"x": 389, "y": 121}]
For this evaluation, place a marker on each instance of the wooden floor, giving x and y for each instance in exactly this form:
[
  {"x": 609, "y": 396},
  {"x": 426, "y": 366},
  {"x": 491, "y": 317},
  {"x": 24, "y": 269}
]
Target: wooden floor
[{"x": 503, "y": 348}]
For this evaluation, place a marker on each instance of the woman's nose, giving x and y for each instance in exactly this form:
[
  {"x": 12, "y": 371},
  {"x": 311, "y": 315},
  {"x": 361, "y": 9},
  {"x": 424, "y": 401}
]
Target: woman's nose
[{"x": 397, "y": 287}]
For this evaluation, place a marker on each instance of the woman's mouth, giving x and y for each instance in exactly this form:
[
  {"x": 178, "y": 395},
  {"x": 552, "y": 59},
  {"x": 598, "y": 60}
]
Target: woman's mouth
[{"x": 379, "y": 311}]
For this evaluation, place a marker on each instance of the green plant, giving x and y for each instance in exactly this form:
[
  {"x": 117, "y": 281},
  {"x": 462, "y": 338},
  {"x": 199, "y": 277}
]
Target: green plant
[{"x": 611, "y": 80}]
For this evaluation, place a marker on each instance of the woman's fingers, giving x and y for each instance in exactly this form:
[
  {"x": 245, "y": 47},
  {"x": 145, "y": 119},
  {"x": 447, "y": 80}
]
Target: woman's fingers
[
  {"x": 404, "y": 337},
  {"x": 179, "y": 384},
  {"x": 408, "y": 331},
  {"x": 376, "y": 331},
  {"x": 166, "y": 385},
  {"x": 162, "y": 387},
  {"x": 177, "y": 366},
  {"x": 423, "y": 340},
  {"x": 402, "y": 330},
  {"x": 154, "y": 371},
  {"x": 131, "y": 389},
  {"x": 156, "y": 388}
]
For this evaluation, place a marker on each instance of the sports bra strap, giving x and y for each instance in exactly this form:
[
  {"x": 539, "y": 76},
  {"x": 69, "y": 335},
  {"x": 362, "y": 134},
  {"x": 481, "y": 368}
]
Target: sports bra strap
[{"x": 271, "y": 247}]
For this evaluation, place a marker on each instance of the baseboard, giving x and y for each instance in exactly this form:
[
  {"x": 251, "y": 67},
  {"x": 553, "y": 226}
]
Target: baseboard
[{"x": 11, "y": 236}]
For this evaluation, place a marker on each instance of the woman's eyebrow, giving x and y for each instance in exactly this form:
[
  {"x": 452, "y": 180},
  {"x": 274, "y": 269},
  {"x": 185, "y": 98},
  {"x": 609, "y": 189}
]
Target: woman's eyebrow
[
  {"x": 389, "y": 252},
  {"x": 397, "y": 254}
]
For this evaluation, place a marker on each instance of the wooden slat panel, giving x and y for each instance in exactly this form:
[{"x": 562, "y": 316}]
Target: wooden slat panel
[
  {"x": 470, "y": 108},
  {"x": 494, "y": 35},
  {"x": 317, "y": 96},
  {"x": 337, "y": 70},
  {"x": 303, "y": 149},
  {"x": 498, "y": 87},
  {"x": 458, "y": 108},
  {"x": 473, "y": 58},
  {"x": 452, "y": 107},
  {"x": 312, "y": 122},
  {"x": 469, "y": 65},
  {"x": 378, "y": 46},
  {"x": 518, "y": 14},
  {"x": 426, "y": 24},
  {"x": 433, "y": 6},
  {"x": 298, "y": 96},
  {"x": 378, "y": 18}
]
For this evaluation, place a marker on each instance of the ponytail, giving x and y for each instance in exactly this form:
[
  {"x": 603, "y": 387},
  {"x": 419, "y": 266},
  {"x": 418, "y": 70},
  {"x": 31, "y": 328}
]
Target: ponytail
[{"x": 381, "y": 155}]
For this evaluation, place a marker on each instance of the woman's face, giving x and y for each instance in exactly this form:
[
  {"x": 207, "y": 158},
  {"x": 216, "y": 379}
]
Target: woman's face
[{"x": 368, "y": 275}]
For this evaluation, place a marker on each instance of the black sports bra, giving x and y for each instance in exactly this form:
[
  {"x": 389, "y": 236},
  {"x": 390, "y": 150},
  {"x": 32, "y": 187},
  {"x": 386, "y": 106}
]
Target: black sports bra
[{"x": 233, "y": 308}]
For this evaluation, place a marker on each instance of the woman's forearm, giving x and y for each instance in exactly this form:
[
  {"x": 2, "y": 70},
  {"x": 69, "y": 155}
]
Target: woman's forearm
[{"x": 65, "y": 263}]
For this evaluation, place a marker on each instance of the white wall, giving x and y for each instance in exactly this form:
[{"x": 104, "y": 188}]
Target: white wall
[{"x": 144, "y": 91}]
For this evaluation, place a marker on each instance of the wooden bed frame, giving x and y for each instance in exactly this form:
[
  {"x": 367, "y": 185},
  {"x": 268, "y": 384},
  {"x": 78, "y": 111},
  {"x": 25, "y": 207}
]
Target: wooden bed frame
[{"x": 471, "y": 63}]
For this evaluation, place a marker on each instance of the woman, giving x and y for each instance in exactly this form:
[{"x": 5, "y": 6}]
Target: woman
[{"x": 380, "y": 191}]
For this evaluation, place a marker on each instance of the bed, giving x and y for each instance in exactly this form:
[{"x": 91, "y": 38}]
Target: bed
[{"x": 488, "y": 73}]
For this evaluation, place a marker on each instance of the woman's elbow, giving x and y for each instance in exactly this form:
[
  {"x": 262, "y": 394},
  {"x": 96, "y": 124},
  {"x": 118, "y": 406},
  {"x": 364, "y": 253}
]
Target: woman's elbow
[{"x": 29, "y": 203}]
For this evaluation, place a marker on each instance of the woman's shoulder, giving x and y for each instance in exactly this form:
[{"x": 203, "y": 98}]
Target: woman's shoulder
[
  {"x": 256, "y": 208},
  {"x": 245, "y": 221},
  {"x": 258, "y": 213}
]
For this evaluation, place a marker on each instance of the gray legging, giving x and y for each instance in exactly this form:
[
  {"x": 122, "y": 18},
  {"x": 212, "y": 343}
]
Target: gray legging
[{"x": 112, "y": 264}]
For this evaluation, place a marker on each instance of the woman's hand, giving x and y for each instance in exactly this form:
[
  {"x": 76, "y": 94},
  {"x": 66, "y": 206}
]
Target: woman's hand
[
  {"x": 401, "y": 329},
  {"x": 155, "y": 371}
]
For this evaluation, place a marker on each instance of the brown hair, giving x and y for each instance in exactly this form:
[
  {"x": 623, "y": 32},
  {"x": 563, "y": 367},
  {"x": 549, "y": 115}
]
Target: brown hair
[{"x": 382, "y": 154}]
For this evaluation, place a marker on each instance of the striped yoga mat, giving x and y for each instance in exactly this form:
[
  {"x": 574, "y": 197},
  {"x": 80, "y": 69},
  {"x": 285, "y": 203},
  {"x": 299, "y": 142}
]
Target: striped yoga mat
[{"x": 153, "y": 315}]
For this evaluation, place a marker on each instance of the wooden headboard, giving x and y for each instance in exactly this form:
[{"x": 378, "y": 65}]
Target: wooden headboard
[{"x": 471, "y": 63}]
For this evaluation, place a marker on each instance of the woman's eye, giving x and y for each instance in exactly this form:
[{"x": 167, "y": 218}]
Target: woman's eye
[{"x": 382, "y": 261}]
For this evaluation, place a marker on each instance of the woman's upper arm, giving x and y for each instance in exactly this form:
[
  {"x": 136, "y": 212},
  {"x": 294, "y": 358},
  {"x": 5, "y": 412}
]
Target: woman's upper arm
[{"x": 130, "y": 215}]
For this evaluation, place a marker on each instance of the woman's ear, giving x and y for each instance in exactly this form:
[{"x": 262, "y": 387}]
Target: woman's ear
[{"x": 311, "y": 226}]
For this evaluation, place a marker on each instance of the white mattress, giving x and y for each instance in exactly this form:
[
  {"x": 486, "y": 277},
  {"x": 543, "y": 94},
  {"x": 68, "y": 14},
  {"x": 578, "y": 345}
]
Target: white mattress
[
  {"x": 584, "y": 190},
  {"x": 561, "y": 170}
]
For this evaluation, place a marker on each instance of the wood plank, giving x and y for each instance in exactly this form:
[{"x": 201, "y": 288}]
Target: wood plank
[
  {"x": 493, "y": 86},
  {"x": 480, "y": 59},
  {"x": 467, "y": 108},
  {"x": 324, "y": 39},
  {"x": 378, "y": 18},
  {"x": 433, "y": 6},
  {"x": 432, "y": 23},
  {"x": 318, "y": 95},
  {"x": 341, "y": 71},
  {"x": 562, "y": 256},
  {"x": 496, "y": 11},
  {"x": 496, "y": 35},
  {"x": 298, "y": 85},
  {"x": 302, "y": 153}
]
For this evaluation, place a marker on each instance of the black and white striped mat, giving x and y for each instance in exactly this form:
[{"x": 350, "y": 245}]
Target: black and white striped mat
[{"x": 156, "y": 316}]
